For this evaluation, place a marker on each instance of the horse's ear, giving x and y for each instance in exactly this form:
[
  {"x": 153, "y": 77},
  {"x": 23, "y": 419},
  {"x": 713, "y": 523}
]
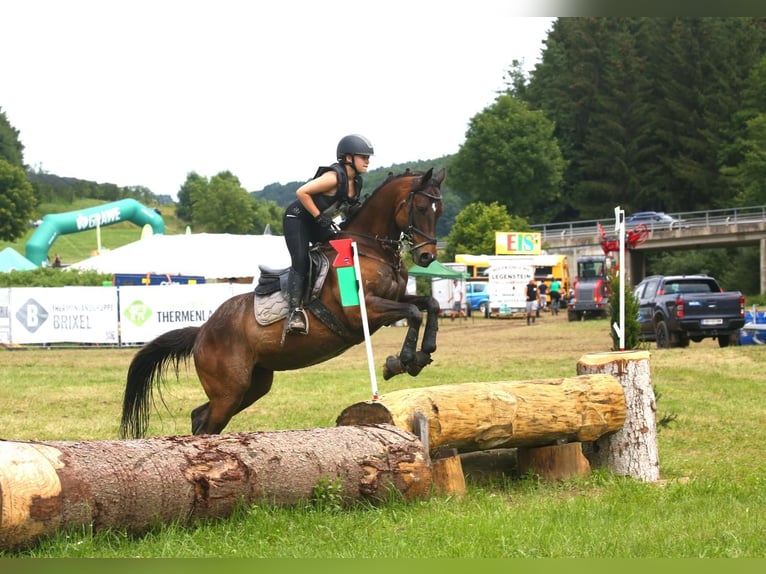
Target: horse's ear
[
  {"x": 440, "y": 176},
  {"x": 425, "y": 178}
]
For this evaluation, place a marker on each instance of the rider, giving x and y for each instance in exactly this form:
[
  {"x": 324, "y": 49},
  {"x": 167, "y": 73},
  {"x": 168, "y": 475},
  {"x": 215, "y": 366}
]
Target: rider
[{"x": 309, "y": 218}]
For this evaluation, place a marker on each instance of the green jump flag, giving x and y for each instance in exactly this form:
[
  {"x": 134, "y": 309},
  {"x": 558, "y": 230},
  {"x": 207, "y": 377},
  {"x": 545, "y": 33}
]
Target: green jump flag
[{"x": 344, "y": 268}]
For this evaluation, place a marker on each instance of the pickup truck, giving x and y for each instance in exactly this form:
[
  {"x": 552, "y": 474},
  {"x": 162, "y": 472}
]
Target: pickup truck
[{"x": 675, "y": 309}]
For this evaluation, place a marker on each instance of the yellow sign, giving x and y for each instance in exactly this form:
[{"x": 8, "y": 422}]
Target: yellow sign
[{"x": 517, "y": 243}]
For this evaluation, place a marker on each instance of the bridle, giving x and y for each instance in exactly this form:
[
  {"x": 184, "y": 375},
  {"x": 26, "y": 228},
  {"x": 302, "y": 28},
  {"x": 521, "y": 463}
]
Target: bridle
[{"x": 409, "y": 234}]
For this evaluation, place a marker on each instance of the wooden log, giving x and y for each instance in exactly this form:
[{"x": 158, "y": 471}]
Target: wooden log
[
  {"x": 133, "y": 485},
  {"x": 554, "y": 462},
  {"x": 447, "y": 476},
  {"x": 481, "y": 416},
  {"x": 632, "y": 449}
]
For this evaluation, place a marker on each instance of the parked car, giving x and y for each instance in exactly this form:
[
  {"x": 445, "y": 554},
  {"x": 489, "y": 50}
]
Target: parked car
[
  {"x": 678, "y": 308},
  {"x": 477, "y": 297},
  {"x": 654, "y": 220}
]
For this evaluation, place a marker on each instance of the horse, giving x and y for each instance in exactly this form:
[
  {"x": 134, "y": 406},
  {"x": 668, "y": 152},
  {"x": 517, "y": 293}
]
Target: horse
[{"x": 236, "y": 353}]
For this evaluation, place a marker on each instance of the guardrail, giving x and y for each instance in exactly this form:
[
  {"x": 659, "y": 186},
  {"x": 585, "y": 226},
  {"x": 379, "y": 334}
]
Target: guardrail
[{"x": 689, "y": 219}]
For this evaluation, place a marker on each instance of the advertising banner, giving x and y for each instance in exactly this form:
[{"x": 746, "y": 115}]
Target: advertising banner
[
  {"x": 518, "y": 243},
  {"x": 149, "y": 311},
  {"x": 5, "y": 315},
  {"x": 508, "y": 286},
  {"x": 64, "y": 315}
]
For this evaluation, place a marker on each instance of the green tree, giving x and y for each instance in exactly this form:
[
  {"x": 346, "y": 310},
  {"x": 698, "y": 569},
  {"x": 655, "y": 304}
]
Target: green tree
[
  {"x": 17, "y": 201},
  {"x": 644, "y": 109},
  {"x": 194, "y": 183},
  {"x": 475, "y": 227},
  {"x": 511, "y": 157},
  {"x": 267, "y": 213},
  {"x": 223, "y": 206},
  {"x": 11, "y": 149}
]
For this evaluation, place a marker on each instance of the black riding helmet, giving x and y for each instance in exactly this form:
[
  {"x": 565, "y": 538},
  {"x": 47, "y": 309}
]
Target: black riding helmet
[{"x": 354, "y": 145}]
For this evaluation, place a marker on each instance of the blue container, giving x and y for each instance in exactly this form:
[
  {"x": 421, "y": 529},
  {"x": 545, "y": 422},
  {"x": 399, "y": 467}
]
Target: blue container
[{"x": 753, "y": 336}]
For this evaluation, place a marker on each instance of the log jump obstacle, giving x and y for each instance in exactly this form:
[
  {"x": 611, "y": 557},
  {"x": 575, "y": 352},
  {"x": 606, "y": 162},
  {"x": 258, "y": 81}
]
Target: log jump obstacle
[{"x": 394, "y": 443}]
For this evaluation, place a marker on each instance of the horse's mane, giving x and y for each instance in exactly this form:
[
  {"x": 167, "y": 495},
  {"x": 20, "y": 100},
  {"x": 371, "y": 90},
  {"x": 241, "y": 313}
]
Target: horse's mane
[{"x": 391, "y": 176}]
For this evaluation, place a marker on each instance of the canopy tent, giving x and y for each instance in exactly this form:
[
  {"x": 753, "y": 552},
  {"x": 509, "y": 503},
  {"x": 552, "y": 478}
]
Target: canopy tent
[
  {"x": 436, "y": 269},
  {"x": 12, "y": 260},
  {"x": 211, "y": 255}
]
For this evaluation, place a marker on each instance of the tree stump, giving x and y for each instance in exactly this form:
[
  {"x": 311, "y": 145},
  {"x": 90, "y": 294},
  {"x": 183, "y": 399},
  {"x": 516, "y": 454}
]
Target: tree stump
[
  {"x": 555, "y": 462},
  {"x": 133, "y": 485},
  {"x": 482, "y": 416},
  {"x": 632, "y": 449}
]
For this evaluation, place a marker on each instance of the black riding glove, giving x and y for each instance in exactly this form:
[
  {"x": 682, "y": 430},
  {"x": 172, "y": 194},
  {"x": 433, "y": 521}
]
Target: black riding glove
[{"x": 326, "y": 227}]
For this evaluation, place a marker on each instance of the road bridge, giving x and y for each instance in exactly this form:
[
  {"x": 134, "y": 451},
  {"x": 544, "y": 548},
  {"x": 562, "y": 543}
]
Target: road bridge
[{"x": 697, "y": 230}]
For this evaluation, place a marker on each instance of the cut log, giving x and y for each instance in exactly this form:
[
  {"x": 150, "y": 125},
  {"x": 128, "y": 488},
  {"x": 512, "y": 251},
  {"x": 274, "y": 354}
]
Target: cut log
[
  {"x": 555, "y": 462},
  {"x": 481, "y": 416},
  {"x": 631, "y": 450},
  {"x": 132, "y": 485}
]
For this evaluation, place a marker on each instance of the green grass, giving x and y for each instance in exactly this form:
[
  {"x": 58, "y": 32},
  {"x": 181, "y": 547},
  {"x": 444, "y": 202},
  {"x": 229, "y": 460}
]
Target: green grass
[{"x": 711, "y": 502}]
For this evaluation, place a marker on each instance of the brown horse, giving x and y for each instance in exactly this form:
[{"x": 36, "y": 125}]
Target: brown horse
[{"x": 235, "y": 354}]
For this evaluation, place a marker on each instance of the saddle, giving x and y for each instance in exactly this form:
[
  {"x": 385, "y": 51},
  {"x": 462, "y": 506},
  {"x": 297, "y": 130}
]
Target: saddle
[{"x": 270, "y": 302}]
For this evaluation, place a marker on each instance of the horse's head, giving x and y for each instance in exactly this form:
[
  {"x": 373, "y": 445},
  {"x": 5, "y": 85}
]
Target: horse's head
[
  {"x": 417, "y": 213},
  {"x": 404, "y": 207}
]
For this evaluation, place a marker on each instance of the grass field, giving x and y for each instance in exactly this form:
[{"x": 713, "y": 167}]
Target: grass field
[{"x": 712, "y": 502}]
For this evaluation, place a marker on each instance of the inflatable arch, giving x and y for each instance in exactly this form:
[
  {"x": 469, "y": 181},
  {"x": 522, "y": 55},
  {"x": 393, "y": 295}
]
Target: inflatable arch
[{"x": 55, "y": 224}]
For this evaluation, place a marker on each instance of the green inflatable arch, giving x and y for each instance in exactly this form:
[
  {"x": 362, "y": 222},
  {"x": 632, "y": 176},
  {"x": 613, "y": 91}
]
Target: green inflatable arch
[{"x": 55, "y": 224}]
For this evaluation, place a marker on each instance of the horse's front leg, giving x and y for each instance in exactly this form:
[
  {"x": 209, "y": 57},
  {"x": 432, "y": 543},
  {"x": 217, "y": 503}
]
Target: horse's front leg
[
  {"x": 382, "y": 311},
  {"x": 431, "y": 306}
]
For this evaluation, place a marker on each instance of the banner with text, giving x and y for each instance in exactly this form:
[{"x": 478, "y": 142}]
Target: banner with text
[
  {"x": 518, "y": 243},
  {"x": 63, "y": 315},
  {"x": 147, "y": 312}
]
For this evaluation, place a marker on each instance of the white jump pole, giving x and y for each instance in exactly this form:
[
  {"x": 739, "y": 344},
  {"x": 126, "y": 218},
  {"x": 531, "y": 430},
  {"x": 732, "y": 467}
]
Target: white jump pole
[{"x": 365, "y": 324}]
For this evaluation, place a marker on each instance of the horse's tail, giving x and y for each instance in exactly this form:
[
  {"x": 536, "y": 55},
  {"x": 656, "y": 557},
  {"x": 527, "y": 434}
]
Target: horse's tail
[{"x": 147, "y": 368}]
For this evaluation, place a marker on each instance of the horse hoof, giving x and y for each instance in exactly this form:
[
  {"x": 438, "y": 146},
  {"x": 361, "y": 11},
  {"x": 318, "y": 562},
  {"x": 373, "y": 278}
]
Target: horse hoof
[
  {"x": 392, "y": 367},
  {"x": 421, "y": 360}
]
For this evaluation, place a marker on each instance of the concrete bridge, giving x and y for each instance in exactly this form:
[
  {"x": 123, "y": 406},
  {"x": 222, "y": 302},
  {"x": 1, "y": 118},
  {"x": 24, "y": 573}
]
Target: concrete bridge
[{"x": 698, "y": 230}]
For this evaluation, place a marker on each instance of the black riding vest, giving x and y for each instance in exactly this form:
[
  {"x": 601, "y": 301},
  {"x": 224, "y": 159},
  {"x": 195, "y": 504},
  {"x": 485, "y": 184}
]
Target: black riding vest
[{"x": 330, "y": 205}]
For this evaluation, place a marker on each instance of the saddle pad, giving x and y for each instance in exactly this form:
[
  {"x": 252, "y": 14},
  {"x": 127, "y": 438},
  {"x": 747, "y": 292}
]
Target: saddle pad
[{"x": 273, "y": 307}]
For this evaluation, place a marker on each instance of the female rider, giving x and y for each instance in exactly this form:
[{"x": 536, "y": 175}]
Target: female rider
[{"x": 308, "y": 220}]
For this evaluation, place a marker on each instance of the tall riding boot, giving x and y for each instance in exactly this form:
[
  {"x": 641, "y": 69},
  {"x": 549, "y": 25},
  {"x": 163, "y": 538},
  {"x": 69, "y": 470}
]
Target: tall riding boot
[{"x": 296, "y": 317}]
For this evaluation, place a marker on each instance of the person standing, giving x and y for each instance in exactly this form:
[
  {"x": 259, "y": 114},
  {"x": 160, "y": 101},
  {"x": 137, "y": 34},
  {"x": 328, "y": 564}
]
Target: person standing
[
  {"x": 531, "y": 300},
  {"x": 542, "y": 295},
  {"x": 555, "y": 291},
  {"x": 457, "y": 299},
  {"x": 308, "y": 219}
]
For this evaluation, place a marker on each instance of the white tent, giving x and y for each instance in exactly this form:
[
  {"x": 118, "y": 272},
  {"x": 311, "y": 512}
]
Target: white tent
[{"x": 211, "y": 255}]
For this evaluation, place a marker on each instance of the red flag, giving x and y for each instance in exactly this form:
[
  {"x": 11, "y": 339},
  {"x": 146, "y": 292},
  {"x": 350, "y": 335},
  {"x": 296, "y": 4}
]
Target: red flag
[{"x": 345, "y": 257}]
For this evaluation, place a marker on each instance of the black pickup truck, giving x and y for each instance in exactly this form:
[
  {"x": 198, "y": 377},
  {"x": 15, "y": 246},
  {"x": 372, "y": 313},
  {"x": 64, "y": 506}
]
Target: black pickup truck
[{"x": 675, "y": 309}]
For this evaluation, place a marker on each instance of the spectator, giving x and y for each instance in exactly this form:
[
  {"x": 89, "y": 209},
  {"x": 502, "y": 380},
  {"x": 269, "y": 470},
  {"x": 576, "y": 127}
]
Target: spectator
[
  {"x": 457, "y": 299},
  {"x": 542, "y": 294},
  {"x": 57, "y": 261},
  {"x": 531, "y": 300},
  {"x": 555, "y": 291}
]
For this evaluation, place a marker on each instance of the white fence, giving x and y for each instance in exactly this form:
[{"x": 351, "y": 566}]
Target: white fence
[{"x": 125, "y": 315}]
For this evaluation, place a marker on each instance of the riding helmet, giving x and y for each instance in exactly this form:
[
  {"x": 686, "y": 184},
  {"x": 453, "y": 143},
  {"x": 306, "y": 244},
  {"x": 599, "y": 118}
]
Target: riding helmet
[{"x": 355, "y": 145}]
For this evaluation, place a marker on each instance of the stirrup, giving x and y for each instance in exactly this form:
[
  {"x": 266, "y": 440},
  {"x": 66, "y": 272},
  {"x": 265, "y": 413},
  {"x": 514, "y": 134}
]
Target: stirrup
[{"x": 297, "y": 322}]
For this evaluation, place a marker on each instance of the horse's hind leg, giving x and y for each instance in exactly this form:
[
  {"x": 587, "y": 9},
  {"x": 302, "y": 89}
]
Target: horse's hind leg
[{"x": 213, "y": 416}]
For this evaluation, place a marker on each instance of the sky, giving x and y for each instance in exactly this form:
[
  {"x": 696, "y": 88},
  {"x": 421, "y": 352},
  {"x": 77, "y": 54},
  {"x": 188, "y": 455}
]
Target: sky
[{"x": 143, "y": 92}]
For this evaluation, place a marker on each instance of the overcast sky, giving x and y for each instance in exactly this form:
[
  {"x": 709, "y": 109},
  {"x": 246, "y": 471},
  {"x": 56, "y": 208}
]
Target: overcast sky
[{"x": 142, "y": 92}]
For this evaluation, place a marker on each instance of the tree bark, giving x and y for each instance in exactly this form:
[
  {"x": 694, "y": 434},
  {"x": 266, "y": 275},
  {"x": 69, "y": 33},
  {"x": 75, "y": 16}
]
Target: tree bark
[
  {"x": 632, "y": 450},
  {"x": 132, "y": 485},
  {"x": 482, "y": 416}
]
